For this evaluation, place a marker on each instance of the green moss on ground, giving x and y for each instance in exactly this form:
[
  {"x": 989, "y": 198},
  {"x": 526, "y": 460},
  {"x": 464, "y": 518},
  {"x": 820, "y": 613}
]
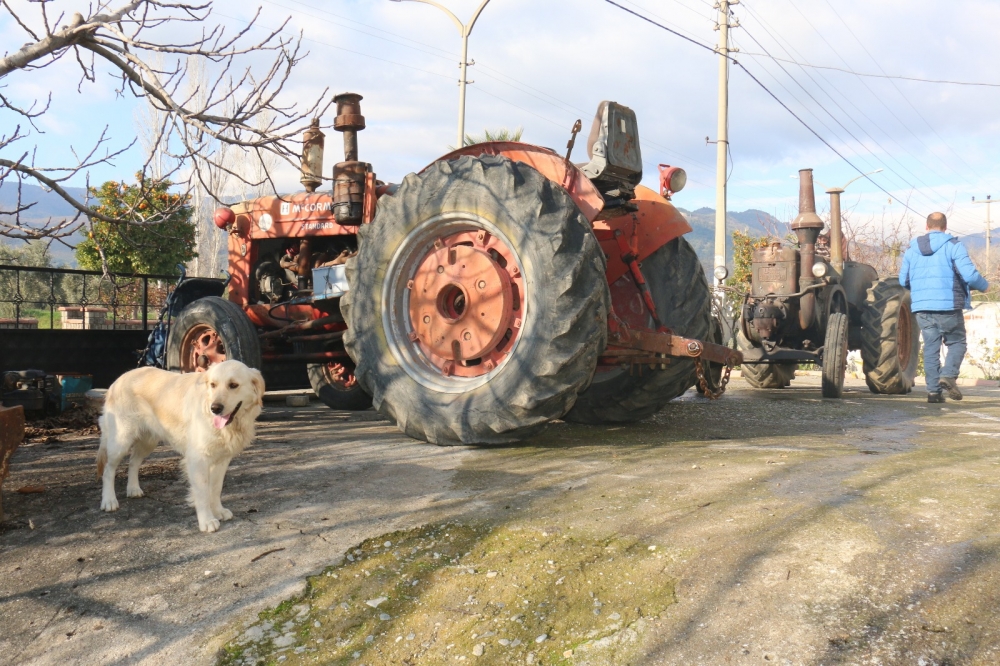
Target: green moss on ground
[{"x": 457, "y": 592}]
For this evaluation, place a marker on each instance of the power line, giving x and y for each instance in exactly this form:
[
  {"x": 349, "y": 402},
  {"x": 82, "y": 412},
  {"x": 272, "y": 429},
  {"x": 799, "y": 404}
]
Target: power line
[
  {"x": 834, "y": 118},
  {"x": 768, "y": 91},
  {"x": 872, "y": 58},
  {"x": 873, "y": 76},
  {"x": 496, "y": 75},
  {"x": 801, "y": 61}
]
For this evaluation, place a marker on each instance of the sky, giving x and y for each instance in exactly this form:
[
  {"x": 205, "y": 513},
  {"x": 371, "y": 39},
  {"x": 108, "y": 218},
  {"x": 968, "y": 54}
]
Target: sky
[{"x": 541, "y": 64}]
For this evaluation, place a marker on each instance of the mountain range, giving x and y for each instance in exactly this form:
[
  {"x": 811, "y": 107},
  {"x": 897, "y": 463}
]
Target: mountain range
[{"x": 49, "y": 205}]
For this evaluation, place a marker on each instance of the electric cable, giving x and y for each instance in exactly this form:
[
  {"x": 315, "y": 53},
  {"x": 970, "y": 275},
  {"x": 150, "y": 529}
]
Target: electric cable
[
  {"x": 901, "y": 94},
  {"x": 800, "y": 61},
  {"x": 771, "y": 94},
  {"x": 834, "y": 118},
  {"x": 898, "y": 77}
]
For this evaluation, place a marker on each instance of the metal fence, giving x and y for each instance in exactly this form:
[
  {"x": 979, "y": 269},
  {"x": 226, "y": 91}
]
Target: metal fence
[{"x": 67, "y": 298}]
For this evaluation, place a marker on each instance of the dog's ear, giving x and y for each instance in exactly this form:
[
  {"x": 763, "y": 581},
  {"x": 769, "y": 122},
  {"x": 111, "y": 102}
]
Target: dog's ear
[{"x": 257, "y": 380}]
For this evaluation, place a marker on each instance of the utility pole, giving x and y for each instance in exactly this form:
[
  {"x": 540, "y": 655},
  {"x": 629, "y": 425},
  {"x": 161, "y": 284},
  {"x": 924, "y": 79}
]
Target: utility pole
[
  {"x": 987, "y": 202},
  {"x": 464, "y": 29},
  {"x": 722, "y": 140}
]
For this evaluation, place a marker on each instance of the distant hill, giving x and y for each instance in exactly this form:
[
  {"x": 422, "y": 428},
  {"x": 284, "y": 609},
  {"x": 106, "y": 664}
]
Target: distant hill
[
  {"x": 49, "y": 206},
  {"x": 702, "y": 236}
]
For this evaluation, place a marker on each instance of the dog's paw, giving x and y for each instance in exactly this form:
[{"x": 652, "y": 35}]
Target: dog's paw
[
  {"x": 110, "y": 504},
  {"x": 210, "y": 525},
  {"x": 225, "y": 514},
  {"x": 134, "y": 492}
]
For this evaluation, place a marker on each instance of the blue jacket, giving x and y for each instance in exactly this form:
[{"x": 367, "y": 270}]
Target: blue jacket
[{"x": 939, "y": 274}]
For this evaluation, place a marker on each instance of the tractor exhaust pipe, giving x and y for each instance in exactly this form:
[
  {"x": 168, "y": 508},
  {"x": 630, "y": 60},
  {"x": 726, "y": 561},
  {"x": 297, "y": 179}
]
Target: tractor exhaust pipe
[
  {"x": 349, "y": 175},
  {"x": 312, "y": 157},
  {"x": 807, "y": 227},
  {"x": 836, "y": 231}
]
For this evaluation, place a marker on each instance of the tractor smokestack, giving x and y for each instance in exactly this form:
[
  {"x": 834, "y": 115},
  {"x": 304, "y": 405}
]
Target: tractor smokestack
[
  {"x": 807, "y": 227},
  {"x": 349, "y": 121},
  {"x": 349, "y": 175},
  {"x": 312, "y": 157}
]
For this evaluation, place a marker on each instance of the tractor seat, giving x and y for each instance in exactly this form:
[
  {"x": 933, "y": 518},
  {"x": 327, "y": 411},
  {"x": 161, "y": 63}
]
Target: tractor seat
[{"x": 613, "y": 148}]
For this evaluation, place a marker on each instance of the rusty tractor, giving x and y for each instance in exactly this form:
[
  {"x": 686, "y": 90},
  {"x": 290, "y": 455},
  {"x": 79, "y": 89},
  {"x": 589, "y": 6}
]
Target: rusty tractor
[
  {"x": 807, "y": 304},
  {"x": 499, "y": 288}
]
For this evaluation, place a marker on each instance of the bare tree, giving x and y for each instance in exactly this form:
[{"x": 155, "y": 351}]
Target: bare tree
[{"x": 137, "y": 43}]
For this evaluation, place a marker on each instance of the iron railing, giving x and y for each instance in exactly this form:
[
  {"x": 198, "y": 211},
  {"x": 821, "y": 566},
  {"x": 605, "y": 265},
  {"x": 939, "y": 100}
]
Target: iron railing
[{"x": 69, "y": 298}]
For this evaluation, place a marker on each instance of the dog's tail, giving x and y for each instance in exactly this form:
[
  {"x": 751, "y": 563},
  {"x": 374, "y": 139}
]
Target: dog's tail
[{"x": 102, "y": 451}]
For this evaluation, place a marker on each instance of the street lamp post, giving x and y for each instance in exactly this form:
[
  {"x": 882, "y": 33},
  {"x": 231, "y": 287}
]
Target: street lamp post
[
  {"x": 836, "y": 234},
  {"x": 464, "y": 29}
]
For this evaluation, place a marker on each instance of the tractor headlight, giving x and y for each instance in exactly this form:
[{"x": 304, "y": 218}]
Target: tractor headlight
[
  {"x": 720, "y": 273},
  {"x": 819, "y": 269},
  {"x": 672, "y": 180}
]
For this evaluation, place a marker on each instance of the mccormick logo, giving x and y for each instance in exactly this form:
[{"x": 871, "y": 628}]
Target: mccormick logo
[
  {"x": 312, "y": 207},
  {"x": 285, "y": 207}
]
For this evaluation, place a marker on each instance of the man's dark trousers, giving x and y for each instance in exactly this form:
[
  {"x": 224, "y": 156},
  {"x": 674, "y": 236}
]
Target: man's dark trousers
[{"x": 938, "y": 327}]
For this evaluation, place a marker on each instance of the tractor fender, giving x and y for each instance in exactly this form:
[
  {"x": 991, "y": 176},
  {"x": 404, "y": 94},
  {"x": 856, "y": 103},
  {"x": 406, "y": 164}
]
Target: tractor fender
[
  {"x": 547, "y": 162},
  {"x": 652, "y": 226},
  {"x": 832, "y": 295},
  {"x": 655, "y": 224}
]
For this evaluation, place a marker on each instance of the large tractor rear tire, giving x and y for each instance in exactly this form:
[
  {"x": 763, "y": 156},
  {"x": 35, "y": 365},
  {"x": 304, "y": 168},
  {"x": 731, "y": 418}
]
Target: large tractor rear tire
[
  {"x": 684, "y": 303},
  {"x": 478, "y": 304},
  {"x": 211, "y": 330},
  {"x": 764, "y": 375},
  {"x": 890, "y": 338}
]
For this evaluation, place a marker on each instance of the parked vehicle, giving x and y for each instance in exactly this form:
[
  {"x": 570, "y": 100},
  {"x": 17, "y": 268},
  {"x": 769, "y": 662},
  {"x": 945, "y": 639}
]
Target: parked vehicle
[
  {"x": 499, "y": 288},
  {"x": 806, "y": 308}
]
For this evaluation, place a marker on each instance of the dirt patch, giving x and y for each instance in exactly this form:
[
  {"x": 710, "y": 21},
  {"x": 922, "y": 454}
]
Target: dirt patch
[
  {"x": 508, "y": 594},
  {"x": 77, "y": 421}
]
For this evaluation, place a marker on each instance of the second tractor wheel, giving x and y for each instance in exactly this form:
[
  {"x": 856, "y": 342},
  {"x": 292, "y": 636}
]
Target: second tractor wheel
[
  {"x": 211, "y": 330},
  {"x": 338, "y": 388},
  {"x": 478, "y": 303},
  {"x": 835, "y": 355},
  {"x": 764, "y": 375},
  {"x": 890, "y": 338},
  {"x": 684, "y": 303}
]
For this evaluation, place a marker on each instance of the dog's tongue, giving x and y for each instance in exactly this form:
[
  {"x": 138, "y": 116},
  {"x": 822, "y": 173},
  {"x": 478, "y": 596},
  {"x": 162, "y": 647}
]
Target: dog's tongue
[{"x": 220, "y": 421}]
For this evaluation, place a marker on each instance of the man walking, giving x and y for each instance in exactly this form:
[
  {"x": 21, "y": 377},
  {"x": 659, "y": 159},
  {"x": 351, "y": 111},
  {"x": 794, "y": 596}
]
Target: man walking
[{"x": 939, "y": 274}]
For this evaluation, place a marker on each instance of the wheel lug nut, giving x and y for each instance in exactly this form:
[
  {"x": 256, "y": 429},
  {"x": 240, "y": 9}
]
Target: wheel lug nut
[
  {"x": 466, "y": 336},
  {"x": 482, "y": 284},
  {"x": 440, "y": 269},
  {"x": 427, "y": 319}
]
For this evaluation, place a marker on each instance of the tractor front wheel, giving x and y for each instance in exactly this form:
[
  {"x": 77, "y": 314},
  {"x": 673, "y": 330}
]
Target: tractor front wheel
[
  {"x": 338, "y": 388},
  {"x": 890, "y": 338},
  {"x": 835, "y": 355},
  {"x": 208, "y": 331},
  {"x": 764, "y": 375},
  {"x": 478, "y": 304}
]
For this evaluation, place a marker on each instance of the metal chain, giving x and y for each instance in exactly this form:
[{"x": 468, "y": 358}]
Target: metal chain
[{"x": 703, "y": 383}]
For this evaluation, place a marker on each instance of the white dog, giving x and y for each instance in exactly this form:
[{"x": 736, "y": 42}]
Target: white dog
[{"x": 207, "y": 417}]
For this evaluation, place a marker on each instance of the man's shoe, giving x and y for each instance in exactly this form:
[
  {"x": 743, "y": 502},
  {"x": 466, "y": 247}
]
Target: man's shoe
[
  {"x": 935, "y": 397},
  {"x": 951, "y": 388}
]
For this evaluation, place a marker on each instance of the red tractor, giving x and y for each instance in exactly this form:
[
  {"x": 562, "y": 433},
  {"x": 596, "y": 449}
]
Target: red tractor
[{"x": 499, "y": 288}]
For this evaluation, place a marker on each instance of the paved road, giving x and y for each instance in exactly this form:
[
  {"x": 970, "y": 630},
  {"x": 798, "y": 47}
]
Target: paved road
[{"x": 791, "y": 529}]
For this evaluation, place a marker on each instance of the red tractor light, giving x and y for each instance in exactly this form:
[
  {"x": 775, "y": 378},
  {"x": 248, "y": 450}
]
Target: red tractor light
[
  {"x": 224, "y": 217},
  {"x": 672, "y": 180}
]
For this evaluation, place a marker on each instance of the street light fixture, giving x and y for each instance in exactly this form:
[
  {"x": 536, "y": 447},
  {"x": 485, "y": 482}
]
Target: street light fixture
[
  {"x": 464, "y": 29},
  {"x": 836, "y": 234}
]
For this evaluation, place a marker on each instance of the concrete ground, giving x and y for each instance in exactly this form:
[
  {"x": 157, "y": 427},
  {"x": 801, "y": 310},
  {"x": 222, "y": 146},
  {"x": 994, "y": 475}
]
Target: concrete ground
[{"x": 788, "y": 529}]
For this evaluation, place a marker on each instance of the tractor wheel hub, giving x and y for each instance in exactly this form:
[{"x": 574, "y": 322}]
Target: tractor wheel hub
[{"x": 460, "y": 302}]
